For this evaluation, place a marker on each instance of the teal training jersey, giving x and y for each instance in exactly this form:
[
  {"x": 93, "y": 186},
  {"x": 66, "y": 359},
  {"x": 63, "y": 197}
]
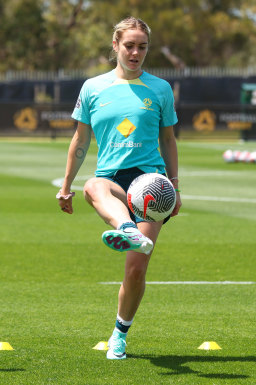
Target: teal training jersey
[{"x": 126, "y": 116}]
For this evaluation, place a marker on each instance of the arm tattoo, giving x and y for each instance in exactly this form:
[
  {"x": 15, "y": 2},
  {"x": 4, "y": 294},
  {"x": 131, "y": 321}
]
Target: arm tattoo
[{"x": 80, "y": 153}]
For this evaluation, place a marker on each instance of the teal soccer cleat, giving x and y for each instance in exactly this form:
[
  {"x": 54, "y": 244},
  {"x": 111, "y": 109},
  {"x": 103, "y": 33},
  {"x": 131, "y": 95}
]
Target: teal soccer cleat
[
  {"x": 116, "y": 346},
  {"x": 128, "y": 239}
]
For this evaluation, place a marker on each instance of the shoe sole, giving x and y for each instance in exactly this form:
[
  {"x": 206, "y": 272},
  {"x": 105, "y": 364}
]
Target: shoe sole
[
  {"x": 113, "y": 356},
  {"x": 118, "y": 242}
]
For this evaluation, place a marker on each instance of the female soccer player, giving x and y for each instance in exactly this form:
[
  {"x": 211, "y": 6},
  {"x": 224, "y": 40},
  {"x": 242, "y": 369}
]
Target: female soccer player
[{"x": 131, "y": 114}]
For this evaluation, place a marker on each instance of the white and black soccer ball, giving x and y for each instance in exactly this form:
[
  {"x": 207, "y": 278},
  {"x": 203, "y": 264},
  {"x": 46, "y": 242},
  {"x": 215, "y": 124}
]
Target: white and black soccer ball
[{"x": 151, "y": 197}]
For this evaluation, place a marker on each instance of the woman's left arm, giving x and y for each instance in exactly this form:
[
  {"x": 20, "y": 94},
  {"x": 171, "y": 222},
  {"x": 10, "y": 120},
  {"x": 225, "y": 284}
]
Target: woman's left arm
[{"x": 168, "y": 148}]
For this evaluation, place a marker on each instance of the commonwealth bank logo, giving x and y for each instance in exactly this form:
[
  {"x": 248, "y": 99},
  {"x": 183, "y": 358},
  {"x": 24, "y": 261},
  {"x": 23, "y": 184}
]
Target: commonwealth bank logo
[{"x": 126, "y": 127}]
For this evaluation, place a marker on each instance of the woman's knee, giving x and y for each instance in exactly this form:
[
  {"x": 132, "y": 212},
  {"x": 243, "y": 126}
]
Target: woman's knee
[
  {"x": 92, "y": 188},
  {"x": 136, "y": 274}
]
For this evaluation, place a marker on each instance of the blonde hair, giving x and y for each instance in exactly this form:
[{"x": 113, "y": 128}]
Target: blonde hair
[
  {"x": 130, "y": 23},
  {"x": 125, "y": 24}
]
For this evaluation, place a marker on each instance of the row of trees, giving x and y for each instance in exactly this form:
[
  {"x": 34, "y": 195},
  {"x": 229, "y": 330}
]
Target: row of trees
[{"x": 55, "y": 34}]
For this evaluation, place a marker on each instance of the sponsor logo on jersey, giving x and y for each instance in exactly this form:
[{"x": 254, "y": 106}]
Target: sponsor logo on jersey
[
  {"x": 126, "y": 127},
  {"x": 104, "y": 104},
  {"x": 129, "y": 144},
  {"x": 78, "y": 103}
]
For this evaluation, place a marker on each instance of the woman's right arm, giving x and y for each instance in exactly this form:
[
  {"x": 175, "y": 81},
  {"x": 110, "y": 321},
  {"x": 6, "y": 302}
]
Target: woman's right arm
[{"x": 77, "y": 151}]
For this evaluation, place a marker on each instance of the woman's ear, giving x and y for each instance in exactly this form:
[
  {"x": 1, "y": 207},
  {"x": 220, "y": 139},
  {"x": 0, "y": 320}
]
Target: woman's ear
[{"x": 115, "y": 45}]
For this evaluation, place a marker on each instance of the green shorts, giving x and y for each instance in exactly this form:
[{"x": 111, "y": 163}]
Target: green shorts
[{"x": 124, "y": 178}]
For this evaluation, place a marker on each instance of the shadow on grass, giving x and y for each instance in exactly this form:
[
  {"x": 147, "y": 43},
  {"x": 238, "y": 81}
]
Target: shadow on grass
[{"x": 180, "y": 364}]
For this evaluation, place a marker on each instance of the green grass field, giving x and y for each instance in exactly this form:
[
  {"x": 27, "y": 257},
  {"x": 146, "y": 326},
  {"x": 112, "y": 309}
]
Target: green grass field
[{"x": 54, "y": 309}]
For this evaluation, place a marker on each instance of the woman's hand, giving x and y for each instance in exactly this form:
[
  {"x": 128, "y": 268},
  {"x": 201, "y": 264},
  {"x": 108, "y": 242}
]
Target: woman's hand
[
  {"x": 177, "y": 206},
  {"x": 65, "y": 201},
  {"x": 66, "y": 205}
]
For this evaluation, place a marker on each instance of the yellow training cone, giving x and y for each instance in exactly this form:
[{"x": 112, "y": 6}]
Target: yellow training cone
[
  {"x": 102, "y": 345},
  {"x": 5, "y": 346},
  {"x": 209, "y": 346}
]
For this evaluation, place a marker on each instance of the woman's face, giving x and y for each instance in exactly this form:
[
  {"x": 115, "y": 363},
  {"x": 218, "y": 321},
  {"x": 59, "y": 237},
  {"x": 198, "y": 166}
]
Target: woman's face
[{"x": 131, "y": 50}]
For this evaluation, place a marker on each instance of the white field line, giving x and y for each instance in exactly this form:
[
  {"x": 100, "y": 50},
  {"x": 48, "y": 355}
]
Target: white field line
[
  {"x": 218, "y": 199},
  {"x": 209, "y": 173},
  {"x": 58, "y": 183},
  {"x": 188, "y": 283}
]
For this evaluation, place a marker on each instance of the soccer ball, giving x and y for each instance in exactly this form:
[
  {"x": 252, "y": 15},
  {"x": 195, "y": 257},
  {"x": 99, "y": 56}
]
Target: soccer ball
[
  {"x": 236, "y": 155},
  {"x": 151, "y": 197},
  {"x": 228, "y": 156},
  {"x": 244, "y": 156},
  {"x": 253, "y": 157}
]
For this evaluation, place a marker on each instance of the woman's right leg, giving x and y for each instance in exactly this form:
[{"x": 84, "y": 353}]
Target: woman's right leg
[{"x": 108, "y": 199}]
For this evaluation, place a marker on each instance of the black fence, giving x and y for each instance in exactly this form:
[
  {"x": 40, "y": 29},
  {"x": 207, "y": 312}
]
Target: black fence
[
  {"x": 216, "y": 90},
  {"x": 51, "y": 119},
  {"x": 39, "y": 107}
]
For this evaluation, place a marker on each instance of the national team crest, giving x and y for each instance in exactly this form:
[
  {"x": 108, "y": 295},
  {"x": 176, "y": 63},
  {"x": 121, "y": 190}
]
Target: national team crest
[{"x": 147, "y": 102}]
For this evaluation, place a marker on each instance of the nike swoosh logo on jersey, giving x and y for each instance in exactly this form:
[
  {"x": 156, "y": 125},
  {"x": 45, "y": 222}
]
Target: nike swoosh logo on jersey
[
  {"x": 147, "y": 199},
  {"x": 104, "y": 104}
]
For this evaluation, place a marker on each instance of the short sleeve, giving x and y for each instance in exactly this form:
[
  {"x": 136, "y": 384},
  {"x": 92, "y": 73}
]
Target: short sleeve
[
  {"x": 168, "y": 113},
  {"x": 81, "y": 111}
]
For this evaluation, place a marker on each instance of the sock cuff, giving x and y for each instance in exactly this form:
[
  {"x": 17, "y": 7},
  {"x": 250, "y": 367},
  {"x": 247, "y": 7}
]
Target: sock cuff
[
  {"x": 122, "y": 321},
  {"x": 120, "y": 332},
  {"x": 124, "y": 225}
]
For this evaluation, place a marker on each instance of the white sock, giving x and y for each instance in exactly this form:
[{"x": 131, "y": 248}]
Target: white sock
[
  {"x": 122, "y": 321},
  {"x": 122, "y": 326}
]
